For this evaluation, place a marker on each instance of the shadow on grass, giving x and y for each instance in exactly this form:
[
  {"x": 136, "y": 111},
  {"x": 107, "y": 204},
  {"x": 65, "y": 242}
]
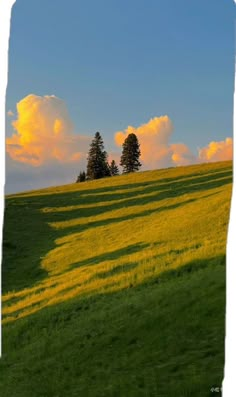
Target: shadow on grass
[
  {"x": 110, "y": 256},
  {"x": 113, "y": 220},
  {"x": 189, "y": 267},
  {"x": 106, "y": 283},
  {"x": 146, "y": 193},
  {"x": 149, "y": 340},
  {"x": 27, "y": 236}
]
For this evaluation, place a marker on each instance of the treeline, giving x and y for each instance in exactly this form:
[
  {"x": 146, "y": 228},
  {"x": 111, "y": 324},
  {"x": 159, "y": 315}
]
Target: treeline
[{"x": 97, "y": 161}]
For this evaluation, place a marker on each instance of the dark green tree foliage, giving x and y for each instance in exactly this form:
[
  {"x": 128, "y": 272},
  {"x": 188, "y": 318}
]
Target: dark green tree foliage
[
  {"x": 114, "y": 170},
  {"x": 97, "y": 166},
  {"x": 81, "y": 177},
  {"x": 130, "y": 154},
  {"x": 107, "y": 169}
]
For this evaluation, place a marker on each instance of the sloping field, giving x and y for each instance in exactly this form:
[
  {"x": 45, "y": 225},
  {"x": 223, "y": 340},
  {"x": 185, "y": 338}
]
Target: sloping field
[{"x": 116, "y": 287}]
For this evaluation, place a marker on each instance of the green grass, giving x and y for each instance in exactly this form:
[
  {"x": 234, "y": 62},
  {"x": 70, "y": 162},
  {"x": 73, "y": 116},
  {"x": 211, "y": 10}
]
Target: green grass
[{"x": 116, "y": 287}]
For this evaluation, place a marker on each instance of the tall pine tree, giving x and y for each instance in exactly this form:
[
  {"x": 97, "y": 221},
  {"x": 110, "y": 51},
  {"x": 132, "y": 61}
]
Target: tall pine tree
[
  {"x": 97, "y": 166},
  {"x": 130, "y": 154}
]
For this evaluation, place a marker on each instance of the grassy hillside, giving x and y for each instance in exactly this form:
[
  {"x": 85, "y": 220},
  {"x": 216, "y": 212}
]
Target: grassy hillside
[{"x": 116, "y": 287}]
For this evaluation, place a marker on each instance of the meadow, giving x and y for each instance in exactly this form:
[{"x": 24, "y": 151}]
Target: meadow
[{"x": 116, "y": 287}]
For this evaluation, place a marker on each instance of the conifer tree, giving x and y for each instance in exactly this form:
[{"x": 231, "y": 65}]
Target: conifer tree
[
  {"x": 97, "y": 166},
  {"x": 81, "y": 177},
  {"x": 114, "y": 170},
  {"x": 130, "y": 154}
]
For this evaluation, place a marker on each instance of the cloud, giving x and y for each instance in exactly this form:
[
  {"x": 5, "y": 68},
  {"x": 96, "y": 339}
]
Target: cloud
[
  {"x": 182, "y": 155},
  {"x": 217, "y": 151},
  {"x": 10, "y": 113},
  {"x": 44, "y": 133},
  {"x": 156, "y": 150}
]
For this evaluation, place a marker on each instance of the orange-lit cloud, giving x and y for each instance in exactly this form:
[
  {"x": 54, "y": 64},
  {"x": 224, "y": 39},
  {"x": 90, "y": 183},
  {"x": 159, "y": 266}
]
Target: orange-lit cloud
[
  {"x": 44, "y": 133},
  {"x": 182, "y": 155},
  {"x": 10, "y": 113},
  {"x": 153, "y": 138},
  {"x": 217, "y": 151},
  {"x": 156, "y": 150}
]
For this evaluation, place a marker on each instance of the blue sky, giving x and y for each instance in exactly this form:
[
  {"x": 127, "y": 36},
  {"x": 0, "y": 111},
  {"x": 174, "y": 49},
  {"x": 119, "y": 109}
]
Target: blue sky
[{"x": 117, "y": 63}]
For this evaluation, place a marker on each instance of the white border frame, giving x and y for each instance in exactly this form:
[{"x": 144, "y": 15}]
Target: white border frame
[{"x": 230, "y": 346}]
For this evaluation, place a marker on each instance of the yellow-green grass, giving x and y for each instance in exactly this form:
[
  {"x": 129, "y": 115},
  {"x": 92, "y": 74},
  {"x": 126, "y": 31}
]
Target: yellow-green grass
[{"x": 134, "y": 261}]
